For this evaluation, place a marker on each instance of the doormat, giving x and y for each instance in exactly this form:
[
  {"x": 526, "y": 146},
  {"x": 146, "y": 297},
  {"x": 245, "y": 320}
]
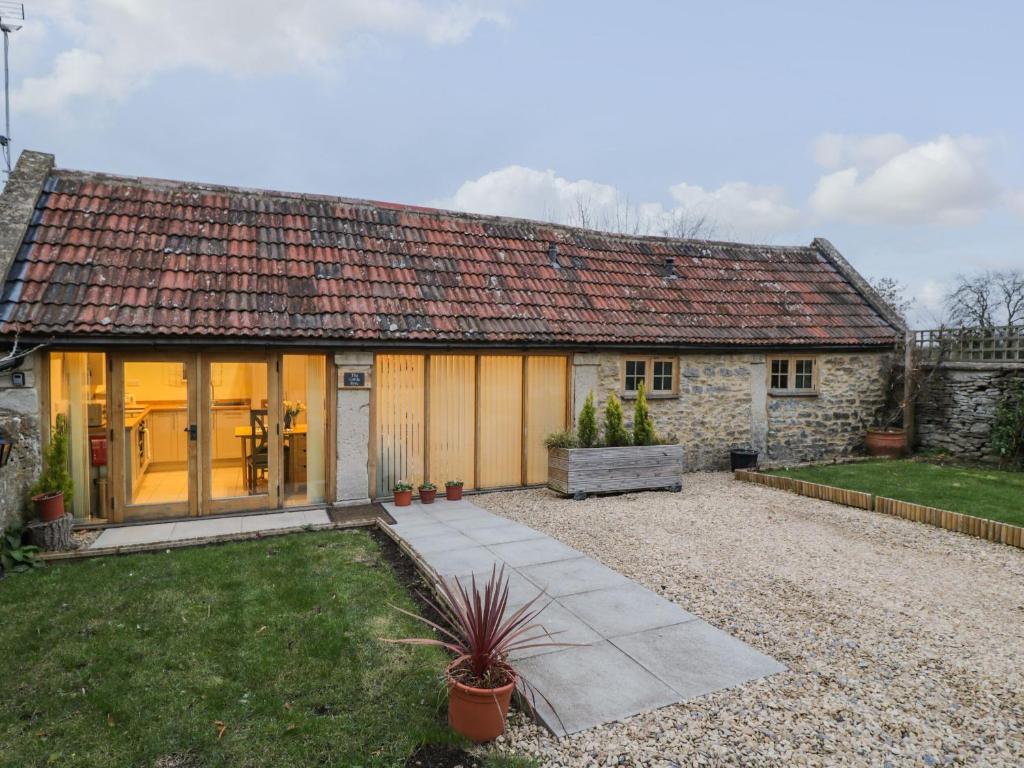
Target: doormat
[{"x": 360, "y": 513}]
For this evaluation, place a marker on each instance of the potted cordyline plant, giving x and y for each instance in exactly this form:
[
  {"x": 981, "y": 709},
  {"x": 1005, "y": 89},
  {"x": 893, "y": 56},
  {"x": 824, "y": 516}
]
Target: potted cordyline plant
[{"x": 476, "y": 629}]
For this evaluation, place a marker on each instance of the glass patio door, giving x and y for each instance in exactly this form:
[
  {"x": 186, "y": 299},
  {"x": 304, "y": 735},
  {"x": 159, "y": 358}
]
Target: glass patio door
[
  {"x": 152, "y": 437},
  {"x": 239, "y": 425}
]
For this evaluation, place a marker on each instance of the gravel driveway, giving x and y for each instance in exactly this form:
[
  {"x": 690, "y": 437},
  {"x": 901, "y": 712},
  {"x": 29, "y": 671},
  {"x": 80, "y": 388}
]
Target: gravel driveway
[{"x": 905, "y": 643}]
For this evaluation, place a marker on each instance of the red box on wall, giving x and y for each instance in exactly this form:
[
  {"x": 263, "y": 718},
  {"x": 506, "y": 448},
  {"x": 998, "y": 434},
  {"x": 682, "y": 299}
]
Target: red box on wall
[{"x": 98, "y": 450}]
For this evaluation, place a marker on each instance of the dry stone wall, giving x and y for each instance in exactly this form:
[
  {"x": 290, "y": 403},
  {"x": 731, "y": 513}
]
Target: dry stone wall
[{"x": 957, "y": 405}]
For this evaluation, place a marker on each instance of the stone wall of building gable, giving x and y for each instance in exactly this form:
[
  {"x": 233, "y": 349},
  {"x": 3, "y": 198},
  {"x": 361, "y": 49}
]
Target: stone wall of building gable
[
  {"x": 957, "y": 405},
  {"x": 724, "y": 402},
  {"x": 831, "y": 424},
  {"x": 19, "y": 422}
]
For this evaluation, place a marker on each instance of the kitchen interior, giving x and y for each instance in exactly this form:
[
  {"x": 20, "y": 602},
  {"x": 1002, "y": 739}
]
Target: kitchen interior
[{"x": 156, "y": 424}]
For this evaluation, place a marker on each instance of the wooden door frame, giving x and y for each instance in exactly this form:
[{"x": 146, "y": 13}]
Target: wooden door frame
[
  {"x": 275, "y": 453},
  {"x": 117, "y": 446}
]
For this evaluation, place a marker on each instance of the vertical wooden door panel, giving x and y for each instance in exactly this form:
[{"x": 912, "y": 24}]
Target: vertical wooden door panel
[
  {"x": 452, "y": 404},
  {"x": 546, "y": 392},
  {"x": 399, "y": 428},
  {"x": 500, "y": 426}
]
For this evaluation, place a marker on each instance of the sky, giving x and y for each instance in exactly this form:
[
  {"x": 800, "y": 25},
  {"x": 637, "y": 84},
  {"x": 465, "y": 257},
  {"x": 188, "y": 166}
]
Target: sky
[{"x": 895, "y": 130}]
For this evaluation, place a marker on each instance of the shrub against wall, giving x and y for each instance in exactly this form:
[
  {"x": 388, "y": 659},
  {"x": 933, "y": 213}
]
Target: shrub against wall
[
  {"x": 586, "y": 430},
  {"x": 615, "y": 433},
  {"x": 1008, "y": 426},
  {"x": 643, "y": 425}
]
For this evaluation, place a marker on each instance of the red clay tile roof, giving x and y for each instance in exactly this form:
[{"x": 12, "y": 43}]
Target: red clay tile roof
[{"x": 107, "y": 256}]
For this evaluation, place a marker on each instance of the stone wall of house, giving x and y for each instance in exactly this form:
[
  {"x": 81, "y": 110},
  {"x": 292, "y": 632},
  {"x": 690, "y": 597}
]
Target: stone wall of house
[
  {"x": 19, "y": 421},
  {"x": 724, "y": 402},
  {"x": 957, "y": 404},
  {"x": 851, "y": 391}
]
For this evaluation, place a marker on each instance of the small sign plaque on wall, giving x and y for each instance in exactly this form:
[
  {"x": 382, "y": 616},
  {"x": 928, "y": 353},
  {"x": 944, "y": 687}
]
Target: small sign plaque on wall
[{"x": 355, "y": 379}]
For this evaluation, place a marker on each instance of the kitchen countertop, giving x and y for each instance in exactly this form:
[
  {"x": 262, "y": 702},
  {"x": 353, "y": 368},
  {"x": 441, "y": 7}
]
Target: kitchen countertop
[{"x": 133, "y": 414}]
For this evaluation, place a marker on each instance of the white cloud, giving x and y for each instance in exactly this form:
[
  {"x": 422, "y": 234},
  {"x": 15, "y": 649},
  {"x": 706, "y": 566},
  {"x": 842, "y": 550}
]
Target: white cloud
[
  {"x": 734, "y": 209},
  {"x": 944, "y": 181},
  {"x": 836, "y": 150},
  {"x": 119, "y": 45},
  {"x": 741, "y": 205}
]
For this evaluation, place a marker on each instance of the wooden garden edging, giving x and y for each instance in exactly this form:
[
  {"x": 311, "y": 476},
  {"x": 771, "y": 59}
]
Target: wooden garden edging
[{"x": 992, "y": 530}]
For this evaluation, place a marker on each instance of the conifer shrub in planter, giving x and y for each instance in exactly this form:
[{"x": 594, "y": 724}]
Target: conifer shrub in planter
[
  {"x": 54, "y": 487},
  {"x": 624, "y": 460},
  {"x": 477, "y": 627}
]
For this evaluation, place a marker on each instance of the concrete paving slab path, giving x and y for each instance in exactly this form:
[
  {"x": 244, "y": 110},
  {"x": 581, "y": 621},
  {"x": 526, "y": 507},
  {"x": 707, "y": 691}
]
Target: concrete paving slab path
[
  {"x": 201, "y": 528},
  {"x": 638, "y": 651}
]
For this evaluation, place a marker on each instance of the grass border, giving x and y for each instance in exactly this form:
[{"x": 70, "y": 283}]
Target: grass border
[{"x": 958, "y": 522}]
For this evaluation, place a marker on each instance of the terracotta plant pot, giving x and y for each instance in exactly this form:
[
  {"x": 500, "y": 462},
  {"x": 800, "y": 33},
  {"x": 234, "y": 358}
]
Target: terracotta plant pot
[
  {"x": 403, "y": 498},
  {"x": 479, "y": 714},
  {"x": 453, "y": 492},
  {"x": 886, "y": 442},
  {"x": 427, "y": 495},
  {"x": 49, "y": 506}
]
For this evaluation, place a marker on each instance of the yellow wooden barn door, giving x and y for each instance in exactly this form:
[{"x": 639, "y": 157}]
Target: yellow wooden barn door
[
  {"x": 546, "y": 410},
  {"x": 451, "y": 419},
  {"x": 500, "y": 421},
  {"x": 399, "y": 424}
]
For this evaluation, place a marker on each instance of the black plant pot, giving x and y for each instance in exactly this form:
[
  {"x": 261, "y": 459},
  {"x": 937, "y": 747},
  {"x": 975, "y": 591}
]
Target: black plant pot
[{"x": 742, "y": 458}]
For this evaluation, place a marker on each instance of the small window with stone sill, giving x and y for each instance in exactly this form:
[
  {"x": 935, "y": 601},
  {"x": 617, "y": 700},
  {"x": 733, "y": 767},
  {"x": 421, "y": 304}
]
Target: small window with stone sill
[
  {"x": 660, "y": 376},
  {"x": 792, "y": 376}
]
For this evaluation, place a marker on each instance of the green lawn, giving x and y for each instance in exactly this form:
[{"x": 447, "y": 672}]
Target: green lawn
[
  {"x": 143, "y": 660},
  {"x": 990, "y": 493}
]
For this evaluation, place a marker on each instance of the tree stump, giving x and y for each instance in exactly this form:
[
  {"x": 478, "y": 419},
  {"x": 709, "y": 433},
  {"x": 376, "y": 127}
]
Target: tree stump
[{"x": 54, "y": 536}]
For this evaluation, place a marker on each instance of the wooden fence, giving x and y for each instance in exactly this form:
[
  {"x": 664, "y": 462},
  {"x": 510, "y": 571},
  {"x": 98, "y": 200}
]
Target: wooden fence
[
  {"x": 992, "y": 530},
  {"x": 971, "y": 345}
]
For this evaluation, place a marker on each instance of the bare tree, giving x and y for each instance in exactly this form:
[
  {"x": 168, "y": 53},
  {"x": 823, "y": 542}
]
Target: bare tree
[
  {"x": 894, "y": 293},
  {"x": 686, "y": 224},
  {"x": 625, "y": 218},
  {"x": 988, "y": 299}
]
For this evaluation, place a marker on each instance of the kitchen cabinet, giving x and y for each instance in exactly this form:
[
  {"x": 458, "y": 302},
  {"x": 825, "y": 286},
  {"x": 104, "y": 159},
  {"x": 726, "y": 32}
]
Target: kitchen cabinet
[
  {"x": 224, "y": 421},
  {"x": 167, "y": 436}
]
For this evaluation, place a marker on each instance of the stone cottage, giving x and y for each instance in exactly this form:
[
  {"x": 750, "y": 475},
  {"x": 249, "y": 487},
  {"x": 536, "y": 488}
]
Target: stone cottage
[{"x": 213, "y": 349}]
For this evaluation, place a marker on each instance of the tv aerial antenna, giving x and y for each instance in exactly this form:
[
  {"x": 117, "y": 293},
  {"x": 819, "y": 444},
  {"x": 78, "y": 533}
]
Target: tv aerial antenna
[{"x": 11, "y": 17}]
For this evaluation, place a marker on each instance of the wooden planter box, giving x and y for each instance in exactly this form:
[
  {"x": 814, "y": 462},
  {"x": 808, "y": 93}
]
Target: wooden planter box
[{"x": 579, "y": 471}]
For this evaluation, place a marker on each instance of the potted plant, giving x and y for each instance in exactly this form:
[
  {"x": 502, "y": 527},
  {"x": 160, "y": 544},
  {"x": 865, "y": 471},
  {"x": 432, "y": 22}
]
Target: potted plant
[
  {"x": 887, "y": 436},
  {"x": 475, "y": 628},
  {"x": 616, "y": 459},
  {"x": 453, "y": 490},
  {"x": 403, "y": 494},
  {"x": 427, "y": 492},
  {"x": 54, "y": 484},
  {"x": 292, "y": 408}
]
